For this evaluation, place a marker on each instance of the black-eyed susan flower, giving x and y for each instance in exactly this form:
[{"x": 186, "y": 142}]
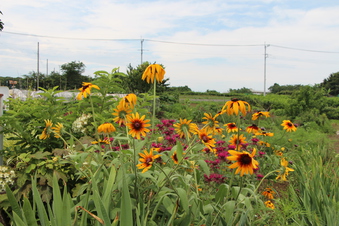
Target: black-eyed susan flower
[
  {"x": 153, "y": 71},
  {"x": 245, "y": 162},
  {"x": 235, "y": 105},
  {"x": 237, "y": 141},
  {"x": 252, "y": 129},
  {"x": 130, "y": 100},
  {"x": 185, "y": 128},
  {"x": 259, "y": 114},
  {"x": 147, "y": 159},
  {"x": 86, "y": 90},
  {"x": 101, "y": 141},
  {"x": 137, "y": 125},
  {"x": 269, "y": 204},
  {"x": 211, "y": 123},
  {"x": 121, "y": 113},
  {"x": 283, "y": 173},
  {"x": 47, "y": 130},
  {"x": 264, "y": 133},
  {"x": 268, "y": 193},
  {"x": 263, "y": 143},
  {"x": 175, "y": 157},
  {"x": 57, "y": 130},
  {"x": 206, "y": 139},
  {"x": 231, "y": 127},
  {"x": 106, "y": 128},
  {"x": 288, "y": 126}
]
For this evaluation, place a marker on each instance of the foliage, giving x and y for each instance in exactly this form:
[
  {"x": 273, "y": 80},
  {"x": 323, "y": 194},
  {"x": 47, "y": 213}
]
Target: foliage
[
  {"x": 284, "y": 89},
  {"x": 112, "y": 80},
  {"x": 242, "y": 90},
  {"x": 331, "y": 84},
  {"x": 134, "y": 84},
  {"x": 72, "y": 73}
]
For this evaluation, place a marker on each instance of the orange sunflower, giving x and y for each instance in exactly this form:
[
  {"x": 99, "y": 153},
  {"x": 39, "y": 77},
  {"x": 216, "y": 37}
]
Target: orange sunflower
[
  {"x": 153, "y": 71},
  {"x": 121, "y": 112},
  {"x": 245, "y": 162},
  {"x": 235, "y": 105},
  {"x": 285, "y": 170},
  {"x": 211, "y": 123},
  {"x": 130, "y": 100},
  {"x": 252, "y": 129},
  {"x": 289, "y": 126},
  {"x": 106, "y": 128},
  {"x": 237, "y": 140},
  {"x": 57, "y": 130},
  {"x": 269, "y": 204},
  {"x": 86, "y": 89},
  {"x": 268, "y": 193},
  {"x": 206, "y": 139},
  {"x": 231, "y": 127},
  {"x": 259, "y": 114},
  {"x": 137, "y": 125},
  {"x": 185, "y": 128},
  {"x": 175, "y": 157},
  {"x": 147, "y": 159},
  {"x": 47, "y": 130}
]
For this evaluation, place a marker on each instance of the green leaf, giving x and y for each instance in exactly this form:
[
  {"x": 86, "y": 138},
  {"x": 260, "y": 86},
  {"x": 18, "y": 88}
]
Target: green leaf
[
  {"x": 126, "y": 205},
  {"x": 29, "y": 213},
  {"x": 183, "y": 199},
  {"x": 179, "y": 151},
  {"x": 229, "y": 209},
  {"x": 204, "y": 166},
  {"x": 12, "y": 200}
]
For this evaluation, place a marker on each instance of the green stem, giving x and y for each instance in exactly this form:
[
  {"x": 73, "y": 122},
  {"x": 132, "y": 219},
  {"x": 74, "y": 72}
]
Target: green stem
[{"x": 154, "y": 103}]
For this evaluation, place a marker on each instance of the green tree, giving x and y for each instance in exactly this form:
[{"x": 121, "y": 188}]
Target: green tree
[
  {"x": 134, "y": 84},
  {"x": 242, "y": 90},
  {"x": 331, "y": 83},
  {"x": 72, "y": 73}
]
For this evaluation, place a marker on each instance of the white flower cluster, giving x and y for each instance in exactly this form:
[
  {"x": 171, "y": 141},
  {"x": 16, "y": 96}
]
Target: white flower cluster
[
  {"x": 7, "y": 176},
  {"x": 79, "y": 125}
]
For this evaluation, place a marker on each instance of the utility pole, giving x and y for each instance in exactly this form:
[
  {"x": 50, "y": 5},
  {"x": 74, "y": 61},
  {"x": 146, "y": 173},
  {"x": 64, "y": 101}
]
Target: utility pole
[
  {"x": 37, "y": 75},
  {"x": 265, "y": 57},
  {"x": 142, "y": 50}
]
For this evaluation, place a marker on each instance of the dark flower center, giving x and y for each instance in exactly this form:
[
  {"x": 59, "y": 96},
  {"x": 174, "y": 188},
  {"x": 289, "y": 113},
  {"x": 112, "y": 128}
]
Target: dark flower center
[
  {"x": 234, "y": 99},
  {"x": 232, "y": 126},
  {"x": 245, "y": 159},
  {"x": 137, "y": 125},
  {"x": 149, "y": 160},
  {"x": 175, "y": 157},
  {"x": 205, "y": 138},
  {"x": 289, "y": 124},
  {"x": 85, "y": 87}
]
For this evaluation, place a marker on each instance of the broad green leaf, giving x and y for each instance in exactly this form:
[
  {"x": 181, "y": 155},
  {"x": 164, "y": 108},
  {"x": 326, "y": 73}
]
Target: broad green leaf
[
  {"x": 126, "y": 205},
  {"x": 183, "y": 199}
]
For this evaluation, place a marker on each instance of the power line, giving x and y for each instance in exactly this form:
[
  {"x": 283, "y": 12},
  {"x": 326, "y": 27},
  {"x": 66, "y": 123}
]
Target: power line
[
  {"x": 200, "y": 44},
  {"x": 307, "y": 50}
]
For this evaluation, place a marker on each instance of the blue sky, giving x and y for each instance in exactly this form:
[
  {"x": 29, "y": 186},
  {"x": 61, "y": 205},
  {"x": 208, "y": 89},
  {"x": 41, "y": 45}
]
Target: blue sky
[{"x": 215, "y": 44}]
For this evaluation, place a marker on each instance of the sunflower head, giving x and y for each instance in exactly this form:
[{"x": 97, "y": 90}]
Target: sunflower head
[
  {"x": 58, "y": 130},
  {"x": 259, "y": 114},
  {"x": 121, "y": 113},
  {"x": 206, "y": 139},
  {"x": 283, "y": 173},
  {"x": 231, "y": 127},
  {"x": 237, "y": 141},
  {"x": 130, "y": 100},
  {"x": 289, "y": 126},
  {"x": 137, "y": 125},
  {"x": 153, "y": 71},
  {"x": 234, "y": 106},
  {"x": 252, "y": 129},
  {"x": 245, "y": 162},
  {"x": 268, "y": 193},
  {"x": 211, "y": 123},
  {"x": 147, "y": 159},
  {"x": 86, "y": 90},
  {"x": 47, "y": 130},
  {"x": 185, "y": 128},
  {"x": 175, "y": 157},
  {"x": 106, "y": 128},
  {"x": 269, "y": 204}
]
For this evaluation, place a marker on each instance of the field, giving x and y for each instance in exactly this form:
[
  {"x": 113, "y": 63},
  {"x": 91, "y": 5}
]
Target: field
[{"x": 195, "y": 160}]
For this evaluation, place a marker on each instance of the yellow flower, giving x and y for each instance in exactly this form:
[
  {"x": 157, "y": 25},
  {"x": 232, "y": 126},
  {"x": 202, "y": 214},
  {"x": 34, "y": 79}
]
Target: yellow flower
[
  {"x": 106, "y": 128},
  {"x": 137, "y": 125},
  {"x": 86, "y": 89},
  {"x": 130, "y": 100},
  {"x": 47, "y": 130},
  {"x": 211, "y": 123},
  {"x": 269, "y": 204},
  {"x": 285, "y": 170},
  {"x": 101, "y": 141},
  {"x": 252, "y": 129},
  {"x": 237, "y": 140},
  {"x": 206, "y": 139},
  {"x": 153, "y": 71},
  {"x": 258, "y": 114},
  {"x": 231, "y": 127},
  {"x": 175, "y": 157},
  {"x": 288, "y": 126},
  {"x": 268, "y": 193},
  {"x": 264, "y": 133},
  {"x": 235, "y": 105},
  {"x": 147, "y": 159},
  {"x": 185, "y": 128},
  {"x": 245, "y": 162},
  {"x": 121, "y": 112},
  {"x": 58, "y": 130}
]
